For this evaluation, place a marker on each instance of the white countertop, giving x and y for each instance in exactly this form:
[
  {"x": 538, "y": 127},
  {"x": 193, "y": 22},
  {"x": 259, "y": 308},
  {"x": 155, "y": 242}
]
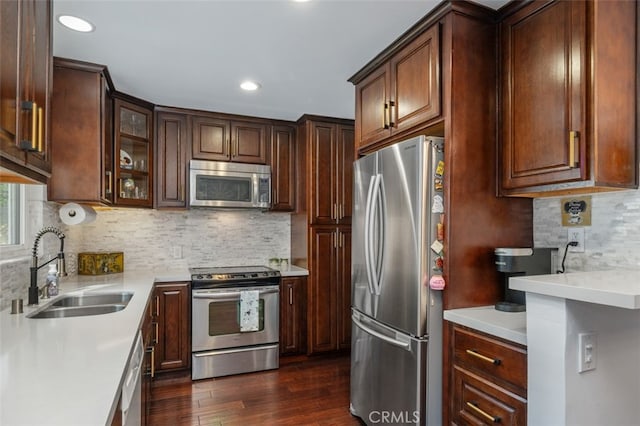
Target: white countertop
[
  {"x": 619, "y": 288},
  {"x": 68, "y": 371},
  {"x": 293, "y": 271},
  {"x": 510, "y": 326}
]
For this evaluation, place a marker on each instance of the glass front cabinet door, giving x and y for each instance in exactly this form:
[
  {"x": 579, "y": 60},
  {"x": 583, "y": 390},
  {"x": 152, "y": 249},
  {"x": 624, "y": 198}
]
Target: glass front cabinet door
[{"x": 134, "y": 183}]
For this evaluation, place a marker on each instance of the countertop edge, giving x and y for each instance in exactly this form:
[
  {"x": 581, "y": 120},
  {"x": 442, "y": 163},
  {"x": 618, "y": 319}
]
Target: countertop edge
[{"x": 509, "y": 326}]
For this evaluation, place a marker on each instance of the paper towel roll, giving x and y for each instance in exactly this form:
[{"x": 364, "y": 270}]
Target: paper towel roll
[{"x": 76, "y": 214}]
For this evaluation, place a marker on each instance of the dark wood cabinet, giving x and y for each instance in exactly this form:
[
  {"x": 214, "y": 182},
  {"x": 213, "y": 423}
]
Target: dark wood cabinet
[
  {"x": 293, "y": 302},
  {"x": 489, "y": 379},
  {"x": 173, "y": 148},
  {"x": 569, "y": 90},
  {"x": 133, "y": 152},
  {"x": 173, "y": 347},
  {"x": 82, "y": 154},
  {"x": 220, "y": 139},
  {"x": 402, "y": 92},
  {"x": 329, "y": 295},
  {"x": 25, "y": 87},
  {"x": 283, "y": 168},
  {"x": 330, "y": 146}
]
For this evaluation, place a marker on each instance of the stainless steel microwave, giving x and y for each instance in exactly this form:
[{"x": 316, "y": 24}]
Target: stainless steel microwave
[{"x": 221, "y": 184}]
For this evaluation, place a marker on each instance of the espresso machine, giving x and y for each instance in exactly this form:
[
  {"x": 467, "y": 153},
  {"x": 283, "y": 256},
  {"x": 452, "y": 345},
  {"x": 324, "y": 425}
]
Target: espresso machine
[{"x": 512, "y": 262}]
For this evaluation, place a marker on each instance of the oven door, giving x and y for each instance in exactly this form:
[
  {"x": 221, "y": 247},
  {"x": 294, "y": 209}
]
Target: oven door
[{"x": 216, "y": 318}]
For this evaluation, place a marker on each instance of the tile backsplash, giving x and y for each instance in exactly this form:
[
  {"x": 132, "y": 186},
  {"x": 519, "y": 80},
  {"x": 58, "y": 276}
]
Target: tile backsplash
[
  {"x": 612, "y": 240},
  {"x": 150, "y": 239}
]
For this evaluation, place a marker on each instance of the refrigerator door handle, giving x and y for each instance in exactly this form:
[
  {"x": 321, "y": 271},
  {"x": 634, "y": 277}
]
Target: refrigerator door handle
[
  {"x": 404, "y": 345},
  {"x": 373, "y": 252},
  {"x": 367, "y": 235},
  {"x": 382, "y": 214}
]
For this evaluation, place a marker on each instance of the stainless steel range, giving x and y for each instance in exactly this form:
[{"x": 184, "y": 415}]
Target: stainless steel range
[{"x": 235, "y": 320}]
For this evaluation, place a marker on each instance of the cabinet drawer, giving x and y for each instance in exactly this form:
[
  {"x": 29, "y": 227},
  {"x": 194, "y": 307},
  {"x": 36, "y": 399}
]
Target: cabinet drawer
[
  {"x": 477, "y": 401},
  {"x": 484, "y": 354}
]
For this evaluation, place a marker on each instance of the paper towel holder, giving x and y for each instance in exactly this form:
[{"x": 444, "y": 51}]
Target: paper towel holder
[{"x": 69, "y": 211}]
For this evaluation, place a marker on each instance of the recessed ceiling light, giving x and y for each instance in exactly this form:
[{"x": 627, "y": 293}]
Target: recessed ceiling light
[
  {"x": 249, "y": 85},
  {"x": 76, "y": 24}
]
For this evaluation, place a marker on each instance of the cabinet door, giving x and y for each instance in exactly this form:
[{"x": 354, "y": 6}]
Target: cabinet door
[
  {"x": 372, "y": 107},
  {"x": 133, "y": 154},
  {"x": 324, "y": 205},
  {"x": 249, "y": 142},
  {"x": 543, "y": 89},
  {"x": 25, "y": 72},
  {"x": 283, "y": 168},
  {"x": 172, "y": 150},
  {"x": 322, "y": 291},
  {"x": 415, "y": 81},
  {"x": 344, "y": 288},
  {"x": 344, "y": 179},
  {"x": 81, "y": 138},
  {"x": 211, "y": 138},
  {"x": 173, "y": 349},
  {"x": 292, "y": 310}
]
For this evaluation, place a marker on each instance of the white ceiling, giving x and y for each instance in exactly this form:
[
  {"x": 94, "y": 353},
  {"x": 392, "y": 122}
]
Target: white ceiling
[{"x": 194, "y": 54}]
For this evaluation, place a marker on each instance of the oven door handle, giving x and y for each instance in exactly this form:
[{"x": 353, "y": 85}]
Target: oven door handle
[{"x": 227, "y": 295}]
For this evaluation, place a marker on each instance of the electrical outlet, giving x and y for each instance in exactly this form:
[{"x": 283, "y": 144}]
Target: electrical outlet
[
  {"x": 586, "y": 352},
  {"x": 577, "y": 235}
]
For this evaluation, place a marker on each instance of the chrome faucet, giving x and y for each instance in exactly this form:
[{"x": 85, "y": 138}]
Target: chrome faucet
[{"x": 62, "y": 269}]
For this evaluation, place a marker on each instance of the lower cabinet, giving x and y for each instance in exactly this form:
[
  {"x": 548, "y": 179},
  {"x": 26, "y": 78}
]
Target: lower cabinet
[
  {"x": 329, "y": 305},
  {"x": 488, "y": 379},
  {"x": 173, "y": 312},
  {"x": 149, "y": 339},
  {"x": 293, "y": 302}
]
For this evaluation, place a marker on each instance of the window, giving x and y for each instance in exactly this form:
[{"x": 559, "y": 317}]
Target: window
[{"x": 11, "y": 213}]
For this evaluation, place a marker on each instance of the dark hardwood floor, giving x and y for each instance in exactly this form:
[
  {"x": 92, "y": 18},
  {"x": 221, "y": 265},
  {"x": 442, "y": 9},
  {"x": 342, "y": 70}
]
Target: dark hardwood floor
[{"x": 303, "y": 391}]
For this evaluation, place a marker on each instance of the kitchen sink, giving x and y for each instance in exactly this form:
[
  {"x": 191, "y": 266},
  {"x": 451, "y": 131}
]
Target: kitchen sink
[
  {"x": 120, "y": 298},
  {"x": 77, "y": 311},
  {"x": 84, "y": 305}
]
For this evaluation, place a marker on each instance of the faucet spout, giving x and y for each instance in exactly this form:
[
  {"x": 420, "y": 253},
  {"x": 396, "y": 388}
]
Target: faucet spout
[{"x": 62, "y": 270}]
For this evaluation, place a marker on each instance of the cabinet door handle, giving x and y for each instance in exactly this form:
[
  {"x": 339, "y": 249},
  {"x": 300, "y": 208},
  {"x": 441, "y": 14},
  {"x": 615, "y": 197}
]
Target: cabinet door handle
[
  {"x": 385, "y": 114},
  {"x": 333, "y": 239},
  {"x": 493, "y": 361},
  {"x": 341, "y": 243},
  {"x": 32, "y": 145},
  {"x": 157, "y": 298},
  {"x": 574, "y": 138},
  {"x": 155, "y": 332},
  {"x": 391, "y": 105},
  {"x": 483, "y": 413},
  {"x": 40, "y": 128},
  {"x": 341, "y": 211},
  {"x": 109, "y": 177},
  {"x": 291, "y": 295},
  {"x": 153, "y": 361},
  {"x": 334, "y": 213}
]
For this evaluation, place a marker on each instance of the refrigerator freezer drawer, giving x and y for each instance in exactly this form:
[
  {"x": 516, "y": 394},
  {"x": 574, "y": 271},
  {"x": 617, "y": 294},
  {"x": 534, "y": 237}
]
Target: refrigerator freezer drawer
[
  {"x": 225, "y": 362},
  {"x": 388, "y": 375}
]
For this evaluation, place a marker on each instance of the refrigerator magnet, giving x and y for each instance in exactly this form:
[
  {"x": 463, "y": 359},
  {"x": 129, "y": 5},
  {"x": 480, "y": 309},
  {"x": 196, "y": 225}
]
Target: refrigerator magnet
[
  {"x": 438, "y": 204},
  {"x": 438, "y": 185},
  {"x": 437, "y": 282},
  {"x": 437, "y": 247},
  {"x": 440, "y": 169}
]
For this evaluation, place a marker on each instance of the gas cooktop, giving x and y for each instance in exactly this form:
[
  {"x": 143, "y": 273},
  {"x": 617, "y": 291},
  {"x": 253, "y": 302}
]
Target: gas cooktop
[{"x": 242, "y": 275}]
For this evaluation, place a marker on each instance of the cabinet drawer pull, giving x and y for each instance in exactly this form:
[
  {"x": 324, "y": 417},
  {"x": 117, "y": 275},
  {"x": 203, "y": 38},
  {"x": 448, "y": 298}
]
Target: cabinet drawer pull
[
  {"x": 493, "y": 361},
  {"x": 483, "y": 413},
  {"x": 573, "y": 141}
]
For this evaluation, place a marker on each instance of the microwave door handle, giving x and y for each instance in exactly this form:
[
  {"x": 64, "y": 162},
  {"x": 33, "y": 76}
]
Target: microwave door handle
[{"x": 255, "y": 199}]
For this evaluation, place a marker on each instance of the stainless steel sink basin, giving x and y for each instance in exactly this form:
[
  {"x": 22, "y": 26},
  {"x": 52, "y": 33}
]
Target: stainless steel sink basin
[
  {"x": 84, "y": 305},
  {"x": 121, "y": 298},
  {"x": 77, "y": 311}
]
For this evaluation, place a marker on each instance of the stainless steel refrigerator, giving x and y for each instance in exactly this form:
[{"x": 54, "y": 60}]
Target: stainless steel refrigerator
[{"x": 396, "y": 346}]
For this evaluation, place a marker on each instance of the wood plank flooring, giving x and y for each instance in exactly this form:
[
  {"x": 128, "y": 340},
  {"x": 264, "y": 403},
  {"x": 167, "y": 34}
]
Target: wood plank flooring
[{"x": 303, "y": 391}]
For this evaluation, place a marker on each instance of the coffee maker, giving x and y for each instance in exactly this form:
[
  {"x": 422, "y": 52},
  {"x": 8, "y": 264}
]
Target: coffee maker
[{"x": 512, "y": 262}]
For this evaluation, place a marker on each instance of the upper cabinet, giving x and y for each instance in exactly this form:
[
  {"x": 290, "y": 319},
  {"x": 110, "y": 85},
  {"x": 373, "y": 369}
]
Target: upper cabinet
[
  {"x": 402, "y": 92},
  {"x": 134, "y": 153},
  {"x": 173, "y": 149},
  {"x": 283, "y": 168},
  {"x": 25, "y": 85},
  {"x": 330, "y": 146},
  {"x": 81, "y": 133},
  {"x": 220, "y": 139},
  {"x": 569, "y": 90}
]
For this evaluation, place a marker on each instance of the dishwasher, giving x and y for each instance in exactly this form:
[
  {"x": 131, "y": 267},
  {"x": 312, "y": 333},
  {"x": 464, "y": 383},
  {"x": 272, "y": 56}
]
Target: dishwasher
[{"x": 132, "y": 387}]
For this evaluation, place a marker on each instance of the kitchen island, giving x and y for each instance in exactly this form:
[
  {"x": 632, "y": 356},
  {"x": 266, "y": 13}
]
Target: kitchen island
[
  {"x": 69, "y": 371},
  {"x": 583, "y": 342}
]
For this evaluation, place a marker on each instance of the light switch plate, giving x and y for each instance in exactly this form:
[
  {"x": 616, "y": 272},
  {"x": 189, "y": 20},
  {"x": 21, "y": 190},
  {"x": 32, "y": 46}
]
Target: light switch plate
[{"x": 586, "y": 352}]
